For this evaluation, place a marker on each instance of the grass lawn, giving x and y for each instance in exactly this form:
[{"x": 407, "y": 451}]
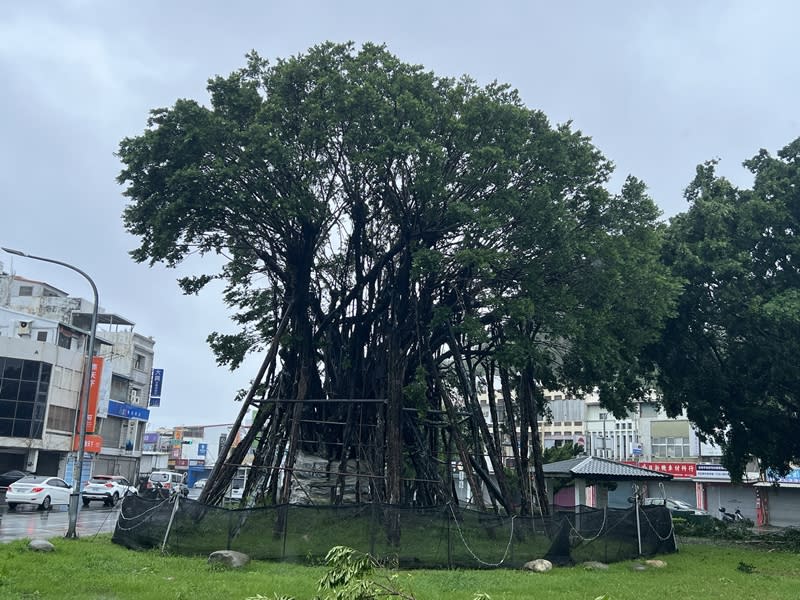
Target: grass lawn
[{"x": 96, "y": 569}]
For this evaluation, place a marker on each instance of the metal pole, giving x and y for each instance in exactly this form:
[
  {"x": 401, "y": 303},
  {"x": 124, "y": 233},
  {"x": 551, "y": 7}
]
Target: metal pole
[
  {"x": 638, "y": 522},
  {"x": 74, "y": 498}
]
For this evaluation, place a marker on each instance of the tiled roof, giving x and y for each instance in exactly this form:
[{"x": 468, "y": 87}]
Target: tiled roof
[{"x": 592, "y": 467}]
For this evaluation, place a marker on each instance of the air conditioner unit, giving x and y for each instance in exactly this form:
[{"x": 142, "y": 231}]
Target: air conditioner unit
[{"x": 24, "y": 327}]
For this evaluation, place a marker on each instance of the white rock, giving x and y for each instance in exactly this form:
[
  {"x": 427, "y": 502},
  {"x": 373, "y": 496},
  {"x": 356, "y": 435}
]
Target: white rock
[
  {"x": 41, "y": 546},
  {"x": 540, "y": 565},
  {"x": 229, "y": 558}
]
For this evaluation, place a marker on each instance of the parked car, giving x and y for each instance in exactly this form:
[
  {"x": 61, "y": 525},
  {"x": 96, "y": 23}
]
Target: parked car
[
  {"x": 167, "y": 480},
  {"x": 108, "y": 489},
  {"x": 200, "y": 484},
  {"x": 676, "y": 507},
  {"x": 41, "y": 490},
  {"x": 9, "y": 477},
  {"x": 236, "y": 490}
]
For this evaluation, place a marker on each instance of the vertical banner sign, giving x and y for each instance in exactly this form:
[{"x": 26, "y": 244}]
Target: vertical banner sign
[
  {"x": 155, "y": 387},
  {"x": 105, "y": 388},
  {"x": 94, "y": 394}
]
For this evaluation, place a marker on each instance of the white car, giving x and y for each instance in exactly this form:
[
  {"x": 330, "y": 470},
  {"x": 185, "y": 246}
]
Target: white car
[
  {"x": 107, "y": 488},
  {"x": 236, "y": 490},
  {"x": 675, "y": 506},
  {"x": 41, "y": 490}
]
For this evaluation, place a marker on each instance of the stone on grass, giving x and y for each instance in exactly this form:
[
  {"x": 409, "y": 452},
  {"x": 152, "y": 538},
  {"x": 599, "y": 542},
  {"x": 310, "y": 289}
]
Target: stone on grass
[
  {"x": 228, "y": 558},
  {"x": 540, "y": 565},
  {"x": 638, "y": 567},
  {"x": 594, "y": 565},
  {"x": 41, "y": 546},
  {"x": 657, "y": 564}
]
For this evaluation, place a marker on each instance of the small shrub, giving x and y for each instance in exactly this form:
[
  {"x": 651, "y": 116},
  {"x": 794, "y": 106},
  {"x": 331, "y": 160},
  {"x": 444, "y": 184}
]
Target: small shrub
[
  {"x": 745, "y": 567},
  {"x": 354, "y": 575}
]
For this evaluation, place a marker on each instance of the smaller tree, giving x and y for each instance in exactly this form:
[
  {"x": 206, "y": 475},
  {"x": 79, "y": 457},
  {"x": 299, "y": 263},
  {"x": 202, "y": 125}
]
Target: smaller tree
[{"x": 563, "y": 452}]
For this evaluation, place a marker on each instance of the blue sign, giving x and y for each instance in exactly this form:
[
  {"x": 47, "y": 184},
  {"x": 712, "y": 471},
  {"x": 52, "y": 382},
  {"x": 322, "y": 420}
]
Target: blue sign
[
  {"x": 792, "y": 476},
  {"x": 202, "y": 449},
  {"x": 155, "y": 383},
  {"x": 636, "y": 451},
  {"x": 127, "y": 411},
  {"x": 155, "y": 402}
]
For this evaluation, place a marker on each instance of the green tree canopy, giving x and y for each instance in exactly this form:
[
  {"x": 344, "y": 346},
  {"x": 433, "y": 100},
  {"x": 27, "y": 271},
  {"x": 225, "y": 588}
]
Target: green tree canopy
[
  {"x": 420, "y": 238},
  {"x": 730, "y": 355}
]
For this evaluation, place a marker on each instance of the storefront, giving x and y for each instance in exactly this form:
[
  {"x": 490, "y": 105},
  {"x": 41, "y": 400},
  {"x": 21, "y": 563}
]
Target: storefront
[
  {"x": 780, "y": 499},
  {"x": 714, "y": 490},
  {"x": 679, "y": 487}
]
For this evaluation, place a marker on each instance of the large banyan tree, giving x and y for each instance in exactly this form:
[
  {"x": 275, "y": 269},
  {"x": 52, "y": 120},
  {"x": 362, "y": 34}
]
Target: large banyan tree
[{"x": 398, "y": 244}]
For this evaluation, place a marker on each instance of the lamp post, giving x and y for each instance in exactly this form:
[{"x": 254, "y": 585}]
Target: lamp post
[{"x": 74, "y": 504}]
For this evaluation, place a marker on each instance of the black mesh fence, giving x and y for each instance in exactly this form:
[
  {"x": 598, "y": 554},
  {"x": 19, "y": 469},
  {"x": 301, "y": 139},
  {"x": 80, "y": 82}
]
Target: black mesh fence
[{"x": 436, "y": 537}]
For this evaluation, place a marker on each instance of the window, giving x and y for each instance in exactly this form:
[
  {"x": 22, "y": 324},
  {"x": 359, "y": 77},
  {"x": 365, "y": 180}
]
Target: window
[
  {"x": 41, "y": 336},
  {"x": 61, "y": 419},
  {"x": 134, "y": 396},
  {"x": 64, "y": 341},
  {"x": 671, "y": 447},
  {"x": 26, "y": 290},
  {"x": 23, "y": 397},
  {"x": 138, "y": 362}
]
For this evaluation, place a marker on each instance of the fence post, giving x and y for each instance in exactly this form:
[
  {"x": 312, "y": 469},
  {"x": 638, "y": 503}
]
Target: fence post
[
  {"x": 230, "y": 529},
  {"x": 171, "y": 519},
  {"x": 449, "y": 541},
  {"x": 374, "y": 527},
  {"x": 285, "y": 521}
]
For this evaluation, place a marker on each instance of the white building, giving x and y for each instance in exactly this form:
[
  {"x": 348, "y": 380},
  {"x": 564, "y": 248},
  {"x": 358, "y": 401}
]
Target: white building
[
  {"x": 41, "y": 325},
  {"x": 41, "y": 372}
]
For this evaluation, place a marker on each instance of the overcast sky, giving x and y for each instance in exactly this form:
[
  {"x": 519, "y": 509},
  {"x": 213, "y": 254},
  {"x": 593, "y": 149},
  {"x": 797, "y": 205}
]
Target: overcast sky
[{"x": 660, "y": 87}]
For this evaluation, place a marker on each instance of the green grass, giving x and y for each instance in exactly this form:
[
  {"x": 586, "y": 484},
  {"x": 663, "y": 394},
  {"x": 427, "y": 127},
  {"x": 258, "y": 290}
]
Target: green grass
[{"x": 96, "y": 569}]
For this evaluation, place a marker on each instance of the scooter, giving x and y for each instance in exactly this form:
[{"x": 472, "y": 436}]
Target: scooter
[
  {"x": 731, "y": 518},
  {"x": 159, "y": 492}
]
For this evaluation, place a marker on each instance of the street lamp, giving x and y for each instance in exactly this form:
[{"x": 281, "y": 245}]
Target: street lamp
[{"x": 74, "y": 504}]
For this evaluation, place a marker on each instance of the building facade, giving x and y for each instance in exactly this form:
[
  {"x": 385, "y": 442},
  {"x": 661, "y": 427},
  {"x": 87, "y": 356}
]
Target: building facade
[
  {"x": 44, "y": 335},
  {"x": 41, "y": 372}
]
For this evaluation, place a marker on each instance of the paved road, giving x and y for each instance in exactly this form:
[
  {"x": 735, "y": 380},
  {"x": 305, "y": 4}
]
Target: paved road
[{"x": 28, "y": 522}]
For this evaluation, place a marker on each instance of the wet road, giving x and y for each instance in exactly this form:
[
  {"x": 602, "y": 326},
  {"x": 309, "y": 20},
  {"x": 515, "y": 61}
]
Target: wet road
[{"x": 28, "y": 522}]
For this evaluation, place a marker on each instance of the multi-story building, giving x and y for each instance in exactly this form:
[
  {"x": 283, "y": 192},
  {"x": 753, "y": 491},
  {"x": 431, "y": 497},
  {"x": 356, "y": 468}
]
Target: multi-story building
[
  {"x": 43, "y": 328},
  {"x": 563, "y": 421},
  {"x": 41, "y": 372},
  {"x": 122, "y": 419}
]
